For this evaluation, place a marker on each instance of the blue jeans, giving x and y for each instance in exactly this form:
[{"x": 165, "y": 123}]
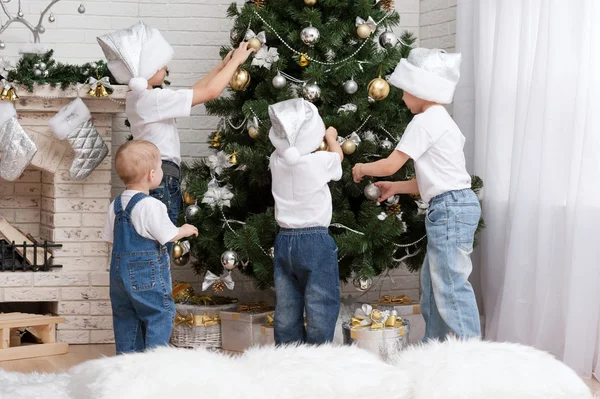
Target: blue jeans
[
  {"x": 306, "y": 279},
  {"x": 169, "y": 193},
  {"x": 140, "y": 286},
  {"x": 448, "y": 302}
]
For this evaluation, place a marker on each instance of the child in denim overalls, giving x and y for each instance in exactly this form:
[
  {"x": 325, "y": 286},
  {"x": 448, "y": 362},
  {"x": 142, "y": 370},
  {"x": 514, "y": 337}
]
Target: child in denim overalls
[
  {"x": 138, "y": 56},
  {"x": 140, "y": 273},
  {"x": 306, "y": 264},
  {"x": 435, "y": 143}
]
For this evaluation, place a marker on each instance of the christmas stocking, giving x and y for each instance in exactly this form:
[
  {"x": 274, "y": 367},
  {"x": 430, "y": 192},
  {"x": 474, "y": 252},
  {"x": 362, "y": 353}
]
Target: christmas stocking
[
  {"x": 74, "y": 123},
  {"x": 16, "y": 147}
]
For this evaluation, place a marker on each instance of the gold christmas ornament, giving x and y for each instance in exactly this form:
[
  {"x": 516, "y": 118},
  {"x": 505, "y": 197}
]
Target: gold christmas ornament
[
  {"x": 254, "y": 44},
  {"x": 253, "y": 132},
  {"x": 215, "y": 142},
  {"x": 303, "y": 61},
  {"x": 348, "y": 147},
  {"x": 9, "y": 93},
  {"x": 99, "y": 91},
  {"x": 233, "y": 160},
  {"x": 188, "y": 198},
  {"x": 415, "y": 195},
  {"x": 177, "y": 251},
  {"x": 184, "y": 260},
  {"x": 310, "y": 2},
  {"x": 363, "y": 31},
  {"x": 240, "y": 80},
  {"x": 323, "y": 146},
  {"x": 182, "y": 292},
  {"x": 379, "y": 89}
]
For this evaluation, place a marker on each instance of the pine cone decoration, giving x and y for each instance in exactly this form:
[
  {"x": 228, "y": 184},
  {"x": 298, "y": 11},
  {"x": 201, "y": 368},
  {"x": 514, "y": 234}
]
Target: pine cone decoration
[
  {"x": 219, "y": 286},
  {"x": 258, "y": 3},
  {"x": 394, "y": 210},
  {"x": 387, "y": 5}
]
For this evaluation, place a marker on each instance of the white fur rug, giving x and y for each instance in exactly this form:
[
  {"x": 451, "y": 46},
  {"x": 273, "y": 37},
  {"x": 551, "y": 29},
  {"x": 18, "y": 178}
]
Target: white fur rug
[{"x": 450, "y": 370}]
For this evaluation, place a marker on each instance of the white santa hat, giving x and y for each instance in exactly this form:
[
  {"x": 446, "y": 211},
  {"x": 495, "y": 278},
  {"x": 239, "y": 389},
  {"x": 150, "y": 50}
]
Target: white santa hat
[
  {"x": 296, "y": 129},
  {"x": 430, "y": 74},
  {"x": 135, "y": 54}
]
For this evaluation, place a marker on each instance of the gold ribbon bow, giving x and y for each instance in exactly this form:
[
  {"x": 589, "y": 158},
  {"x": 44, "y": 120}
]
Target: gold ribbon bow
[
  {"x": 192, "y": 320},
  {"x": 370, "y": 22},
  {"x": 375, "y": 319},
  {"x": 99, "y": 88},
  {"x": 395, "y": 300},
  {"x": 270, "y": 319},
  {"x": 9, "y": 92}
]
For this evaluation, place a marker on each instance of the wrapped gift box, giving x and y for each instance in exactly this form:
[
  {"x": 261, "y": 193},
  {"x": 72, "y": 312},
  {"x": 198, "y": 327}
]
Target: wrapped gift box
[
  {"x": 242, "y": 329},
  {"x": 408, "y": 310},
  {"x": 385, "y": 342},
  {"x": 267, "y": 335}
]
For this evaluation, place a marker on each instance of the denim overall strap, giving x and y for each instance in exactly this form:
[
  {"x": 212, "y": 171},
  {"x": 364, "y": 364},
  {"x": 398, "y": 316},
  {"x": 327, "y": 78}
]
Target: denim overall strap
[
  {"x": 133, "y": 202},
  {"x": 118, "y": 205}
]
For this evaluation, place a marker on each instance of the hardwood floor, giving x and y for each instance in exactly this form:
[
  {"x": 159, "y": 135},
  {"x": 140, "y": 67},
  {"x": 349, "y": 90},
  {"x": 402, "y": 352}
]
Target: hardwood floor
[
  {"x": 52, "y": 364},
  {"x": 81, "y": 353}
]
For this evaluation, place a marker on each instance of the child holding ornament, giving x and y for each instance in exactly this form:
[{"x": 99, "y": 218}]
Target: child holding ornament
[
  {"x": 138, "y": 56},
  {"x": 140, "y": 273},
  {"x": 306, "y": 264},
  {"x": 435, "y": 143}
]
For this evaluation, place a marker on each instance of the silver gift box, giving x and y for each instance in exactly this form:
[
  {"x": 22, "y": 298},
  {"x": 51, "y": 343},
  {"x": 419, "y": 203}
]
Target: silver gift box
[
  {"x": 267, "y": 335},
  {"x": 241, "y": 330},
  {"x": 386, "y": 343}
]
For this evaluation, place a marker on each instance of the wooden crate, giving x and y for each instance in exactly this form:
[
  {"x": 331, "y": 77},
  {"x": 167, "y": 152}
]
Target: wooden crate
[{"x": 45, "y": 327}]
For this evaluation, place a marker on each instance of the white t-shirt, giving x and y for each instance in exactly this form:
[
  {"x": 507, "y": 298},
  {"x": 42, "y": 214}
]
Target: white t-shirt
[
  {"x": 435, "y": 143},
  {"x": 302, "y": 196},
  {"x": 152, "y": 116},
  {"x": 149, "y": 217}
]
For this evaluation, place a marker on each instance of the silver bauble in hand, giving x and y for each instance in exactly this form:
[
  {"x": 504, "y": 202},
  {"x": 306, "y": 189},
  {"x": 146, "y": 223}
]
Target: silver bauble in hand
[
  {"x": 350, "y": 86},
  {"x": 362, "y": 284},
  {"x": 310, "y": 35},
  {"x": 279, "y": 81},
  {"x": 311, "y": 92},
  {"x": 372, "y": 192},
  {"x": 229, "y": 260},
  {"x": 388, "y": 39},
  {"x": 191, "y": 212}
]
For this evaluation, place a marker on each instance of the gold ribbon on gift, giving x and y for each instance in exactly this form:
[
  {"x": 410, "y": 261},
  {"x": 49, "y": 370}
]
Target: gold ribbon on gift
[
  {"x": 270, "y": 319},
  {"x": 9, "y": 92},
  {"x": 375, "y": 319},
  {"x": 395, "y": 300},
  {"x": 194, "y": 320}
]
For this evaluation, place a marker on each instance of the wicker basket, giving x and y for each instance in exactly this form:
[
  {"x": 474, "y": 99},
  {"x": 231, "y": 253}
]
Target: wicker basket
[{"x": 184, "y": 336}]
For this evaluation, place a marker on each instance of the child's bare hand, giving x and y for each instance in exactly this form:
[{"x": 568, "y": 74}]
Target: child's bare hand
[
  {"x": 188, "y": 230},
  {"x": 241, "y": 54},
  {"x": 331, "y": 133},
  {"x": 357, "y": 174},
  {"x": 227, "y": 58},
  {"x": 387, "y": 190}
]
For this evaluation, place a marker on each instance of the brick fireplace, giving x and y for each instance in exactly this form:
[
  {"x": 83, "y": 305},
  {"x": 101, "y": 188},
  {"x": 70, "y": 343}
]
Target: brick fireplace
[{"x": 47, "y": 204}]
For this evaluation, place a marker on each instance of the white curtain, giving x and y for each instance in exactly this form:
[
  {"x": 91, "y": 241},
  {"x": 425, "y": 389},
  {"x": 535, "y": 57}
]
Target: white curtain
[{"x": 529, "y": 102}]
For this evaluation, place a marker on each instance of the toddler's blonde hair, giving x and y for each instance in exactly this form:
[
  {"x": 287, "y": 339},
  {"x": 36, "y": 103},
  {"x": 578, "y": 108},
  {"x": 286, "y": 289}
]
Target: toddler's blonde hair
[{"x": 134, "y": 159}]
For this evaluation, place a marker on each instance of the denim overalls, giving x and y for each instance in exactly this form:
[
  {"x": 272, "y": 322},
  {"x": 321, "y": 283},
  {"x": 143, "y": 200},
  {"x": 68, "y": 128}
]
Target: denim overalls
[{"x": 140, "y": 286}]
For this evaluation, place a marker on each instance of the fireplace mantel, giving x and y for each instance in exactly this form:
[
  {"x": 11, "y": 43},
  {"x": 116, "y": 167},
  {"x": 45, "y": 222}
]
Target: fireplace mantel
[{"x": 46, "y": 203}]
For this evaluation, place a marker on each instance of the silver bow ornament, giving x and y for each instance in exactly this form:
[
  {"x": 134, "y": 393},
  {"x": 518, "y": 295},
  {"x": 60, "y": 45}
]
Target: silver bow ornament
[
  {"x": 217, "y": 196},
  {"x": 211, "y": 278},
  {"x": 265, "y": 57},
  {"x": 353, "y": 137},
  {"x": 219, "y": 162},
  {"x": 105, "y": 81},
  {"x": 251, "y": 35},
  {"x": 347, "y": 108},
  {"x": 370, "y": 22},
  {"x": 5, "y": 67},
  {"x": 369, "y": 136}
]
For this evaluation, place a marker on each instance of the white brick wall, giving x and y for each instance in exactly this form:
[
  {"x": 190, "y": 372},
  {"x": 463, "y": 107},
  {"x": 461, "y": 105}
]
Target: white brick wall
[
  {"x": 438, "y": 24},
  {"x": 196, "y": 29}
]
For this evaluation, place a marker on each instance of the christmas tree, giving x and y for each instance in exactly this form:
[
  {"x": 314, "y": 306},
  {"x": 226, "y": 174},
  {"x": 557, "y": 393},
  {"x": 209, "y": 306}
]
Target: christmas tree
[{"x": 335, "y": 53}]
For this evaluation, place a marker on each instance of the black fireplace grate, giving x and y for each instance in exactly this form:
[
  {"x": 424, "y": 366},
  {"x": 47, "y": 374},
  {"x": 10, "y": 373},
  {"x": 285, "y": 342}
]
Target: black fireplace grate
[{"x": 12, "y": 260}]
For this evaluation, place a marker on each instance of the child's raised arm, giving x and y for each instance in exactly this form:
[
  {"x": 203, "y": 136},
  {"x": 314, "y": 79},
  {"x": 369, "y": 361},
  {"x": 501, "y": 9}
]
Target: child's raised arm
[
  {"x": 209, "y": 90},
  {"x": 331, "y": 138},
  {"x": 384, "y": 167},
  {"x": 205, "y": 80}
]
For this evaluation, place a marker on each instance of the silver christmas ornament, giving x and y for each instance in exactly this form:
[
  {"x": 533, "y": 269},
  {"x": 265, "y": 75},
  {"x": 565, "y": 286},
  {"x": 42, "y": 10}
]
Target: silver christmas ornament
[
  {"x": 81, "y": 9},
  {"x": 41, "y": 29},
  {"x": 51, "y": 18},
  {"x": 372, "y": 192},
  {"x": 42, "y": 66},
  {"x": 279, "y": 81},
  {"x": 271, "y": 253},
  {"x": 310, "y": 35},
  {"x": 388, "y": 39},
  {"x": 37, "y": 73},
  {"x": 233, "y": 35},
  {"x": 2, "y": 45},
  {"x": 362, "y": 285},
  {"x": 191, "y": 212},
  {"x": 350, "y": 86},
  {"x": 311, "y": 92},
  {"x": 386, "y": 144},
  {"x": 93, "y": 65},
  {"x": 229, "y": 260},
  {"x": 45, "y": 73},
  {"x": 20, "y": 14}
]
